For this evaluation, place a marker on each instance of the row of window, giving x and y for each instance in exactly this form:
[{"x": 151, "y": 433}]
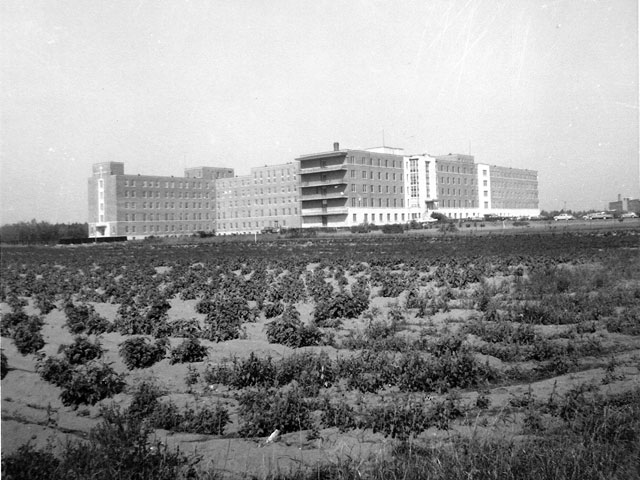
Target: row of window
[
  {"x": 256, "y": 201},
  {"x": 167, "y": 184},
  {"x": 258, "y": 213},
  {"x": 354, "y": 174},
  {"x": 236, "y": 225},
  {"x": 372, "y": 188},
  {"x": 146, "y": 194},
  {"x": 376, "y": 162},
  {"x": 247, "y": 193},
  {"x": 165, "y": 228},
  {"x": 380, "y": 216},
  {"x": 167, "y": 205},
  {"x": 449, "y": 180},
  {"x": 456, "y": 169},
  {"x": 452, "y": 191},
  {"x": 382, "y": 202},
  {"x": 167, "y": 217}
]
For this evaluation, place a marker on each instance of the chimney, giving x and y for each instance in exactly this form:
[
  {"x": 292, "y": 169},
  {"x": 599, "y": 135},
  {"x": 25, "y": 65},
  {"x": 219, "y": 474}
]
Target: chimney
[{"x": 336, "y": 146}]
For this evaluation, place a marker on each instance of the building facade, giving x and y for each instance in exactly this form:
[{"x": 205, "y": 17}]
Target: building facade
[
  {"x": 266, "y": 198},
  {"x": 625, "y": 204},
  {"x": 139, "y": 206},
  {"x": 342, "y": 188},
  {"x": 457, "y": 187},
  {"x": 336, "y": 188}
]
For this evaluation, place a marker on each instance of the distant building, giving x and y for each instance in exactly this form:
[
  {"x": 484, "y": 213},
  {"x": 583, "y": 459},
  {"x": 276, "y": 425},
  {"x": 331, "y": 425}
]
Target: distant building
[
  {"x": 341, "y": 188},
  {"x": 139, "y": 206},
  {"x": 457, "y": 187},
  {"x": 337, "y": 188},
  {"x": 625, "y": 205},
  {"x": 267, "y": 197}
]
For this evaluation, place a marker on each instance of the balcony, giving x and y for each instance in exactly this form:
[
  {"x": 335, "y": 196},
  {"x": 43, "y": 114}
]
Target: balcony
[
  {"x": 308, "y": 212},
  {"x": 327, "y": 194},
  {"x": 322, "y": 169},
  {"x": 324, "y": 182}
]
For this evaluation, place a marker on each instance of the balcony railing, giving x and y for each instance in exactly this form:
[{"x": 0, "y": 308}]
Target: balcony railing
[
  {"x": 306, "y": 212},
  {"x": 332, "y": 193},
  {"x": 320, "y": 182},
  {"x": 326, "y": 168}
]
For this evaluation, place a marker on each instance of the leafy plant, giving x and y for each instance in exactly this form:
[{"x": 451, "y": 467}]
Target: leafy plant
[
  {"x": 262, "y": 411},
  {"x": 138, "y": 352},
  {"x": 290, "y": 331},
  {"x": 81, "y": 350},
  {"x": 190, "y": 350},
  {"x": 89, "y": 383},
  {"x": 27, "y": 335}
]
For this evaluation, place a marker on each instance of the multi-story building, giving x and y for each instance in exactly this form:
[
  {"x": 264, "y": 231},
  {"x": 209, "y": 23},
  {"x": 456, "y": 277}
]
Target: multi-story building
[
  {"x": 338, "y": 188},
  {"x": 625, "y": 204},
  {"x": 457, "y": 187},
  {"x": 341, "y": 188},
  {"x": 267, "y": 197},
  {"x": 144, "y": 205}
]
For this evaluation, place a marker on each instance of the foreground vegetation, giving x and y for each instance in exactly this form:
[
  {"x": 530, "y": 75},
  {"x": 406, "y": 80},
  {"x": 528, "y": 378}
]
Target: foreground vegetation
[{"x": 399, "y": 339}]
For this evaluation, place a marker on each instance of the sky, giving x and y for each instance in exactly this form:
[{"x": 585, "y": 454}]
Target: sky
[{"x": 545, "y": 85}]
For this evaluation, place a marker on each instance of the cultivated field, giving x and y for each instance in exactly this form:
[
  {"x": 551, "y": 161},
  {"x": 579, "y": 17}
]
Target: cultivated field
[{"x": 373, "y": 356}]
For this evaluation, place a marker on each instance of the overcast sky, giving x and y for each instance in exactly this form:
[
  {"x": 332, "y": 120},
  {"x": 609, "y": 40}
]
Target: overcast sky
[{"x": 546, "y": 85}]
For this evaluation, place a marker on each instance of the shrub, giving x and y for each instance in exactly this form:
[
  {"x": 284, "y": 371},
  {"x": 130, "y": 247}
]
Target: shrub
[
  {"x": 185, "y": 328},
  {"x": 91, "y": 382},
  {"x": 10, "y": 321},
  {"x": 253, "y": 371},
  {"x": 394, "y": 228},
  {"x": 205, "y": 420},
  {"x": 27, "y": 336},
  {"x": 272, "y": 310},
  {"x": 81, "y": 350},
  {"x": 341, "y": 305},
  {"x": 54, "y": 370},
  {"x": 138, "y": 352},
  {"x": 84, "y": 319},
  {"x": 289, "y": 330},
  {"x": 27, "y": 463},
  {"x": 264, "y": 410},
  {"x": 144, "y": 401},
  {"x": 119, "y": 447},
  {"x": 339, "y": 414},
  {"x": 398, "y": 420},
  {"x": 190, "y": 350}
]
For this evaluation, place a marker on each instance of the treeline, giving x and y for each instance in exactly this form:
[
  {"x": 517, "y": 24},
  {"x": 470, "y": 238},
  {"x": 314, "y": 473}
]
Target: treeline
[{"x": 34, "y": 232}]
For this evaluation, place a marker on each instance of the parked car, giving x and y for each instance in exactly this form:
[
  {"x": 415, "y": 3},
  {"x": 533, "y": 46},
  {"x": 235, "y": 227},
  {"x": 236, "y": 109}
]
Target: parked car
[
  {"x": 600, "y": 216},
  {"x": 270, "y": 230},
  {"x": 629, "y": 215},
  {"x": 563, "y": 216}
]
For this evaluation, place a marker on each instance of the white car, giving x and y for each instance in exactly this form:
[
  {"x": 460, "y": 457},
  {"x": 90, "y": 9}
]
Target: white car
[
  {"x": 629, "y": 215},
  {"x": 563, "y": 216}
]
